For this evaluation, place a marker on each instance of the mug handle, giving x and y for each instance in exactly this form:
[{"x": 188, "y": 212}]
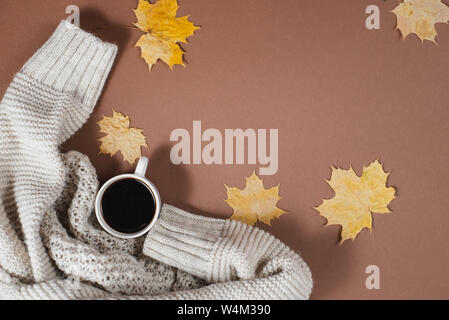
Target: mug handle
[{"x": 142, "y": 166}]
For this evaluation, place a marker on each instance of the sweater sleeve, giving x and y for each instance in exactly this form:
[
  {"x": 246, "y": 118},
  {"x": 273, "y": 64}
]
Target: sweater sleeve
[
  {"x": 66, "y": 77},
  {"x": 49, "y": 99},
  {"x": 239, "y": 261}
]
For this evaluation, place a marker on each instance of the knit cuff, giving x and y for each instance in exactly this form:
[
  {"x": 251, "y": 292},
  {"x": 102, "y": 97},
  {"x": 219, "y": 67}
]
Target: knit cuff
[
  {"x": 184, "y": 240},
  {"x": 73, "y": 60}
]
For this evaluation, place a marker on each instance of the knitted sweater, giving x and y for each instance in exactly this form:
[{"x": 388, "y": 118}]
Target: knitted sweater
[{"x": 51, "y": 246}]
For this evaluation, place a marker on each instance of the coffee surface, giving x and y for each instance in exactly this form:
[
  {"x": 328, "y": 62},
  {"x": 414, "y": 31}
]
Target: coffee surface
[{"x": 128, "y": 205}]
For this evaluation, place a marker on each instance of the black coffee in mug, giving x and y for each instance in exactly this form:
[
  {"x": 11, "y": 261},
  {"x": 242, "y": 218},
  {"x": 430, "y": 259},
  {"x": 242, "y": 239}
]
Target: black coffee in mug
[{"x": 128, "y": 205}]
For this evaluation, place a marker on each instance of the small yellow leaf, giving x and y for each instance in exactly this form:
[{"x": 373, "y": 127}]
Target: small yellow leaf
[
  {"x": 254, "y": 202},
  {"x": 120, "y": 137},
  {"x": 163, "y": 31},
  {"x": 420, "y": 16},
  {"x": 355, "y": 198}
]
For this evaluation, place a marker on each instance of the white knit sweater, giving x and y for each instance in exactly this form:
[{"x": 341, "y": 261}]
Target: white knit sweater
[{"x": 51, "y": 246}]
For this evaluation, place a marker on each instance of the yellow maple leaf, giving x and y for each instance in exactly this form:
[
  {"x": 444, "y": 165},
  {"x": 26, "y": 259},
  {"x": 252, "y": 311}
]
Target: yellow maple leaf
[
  {"x": 120, "y": 137},
  {"x": 355, "y": 198},
  {"x": 420, "y": 16},
  {"x": 254, "y": 202},
  {"x": 163, "y": 32}
]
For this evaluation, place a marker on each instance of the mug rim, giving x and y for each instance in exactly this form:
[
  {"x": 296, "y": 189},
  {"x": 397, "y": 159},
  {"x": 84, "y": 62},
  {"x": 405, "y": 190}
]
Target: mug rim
[{"x": 99, "y": 211}]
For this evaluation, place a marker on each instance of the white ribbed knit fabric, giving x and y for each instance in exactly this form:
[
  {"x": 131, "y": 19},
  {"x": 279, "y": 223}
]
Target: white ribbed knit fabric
[{"x": 51, "y": 246}]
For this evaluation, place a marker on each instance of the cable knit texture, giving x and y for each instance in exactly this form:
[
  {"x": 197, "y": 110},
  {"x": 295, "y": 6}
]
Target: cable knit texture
[{"x": 51, "y": 246}]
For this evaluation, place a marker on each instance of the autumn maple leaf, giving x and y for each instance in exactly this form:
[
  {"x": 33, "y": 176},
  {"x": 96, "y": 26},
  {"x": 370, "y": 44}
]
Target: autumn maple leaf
[
  {"x": 163, "y": 30},
  {"x": 420, "y": 17},
  {"x": 254, "y": 202},
  {"x": 120, "y": 137},
  {"x": 355, "y": 198}
]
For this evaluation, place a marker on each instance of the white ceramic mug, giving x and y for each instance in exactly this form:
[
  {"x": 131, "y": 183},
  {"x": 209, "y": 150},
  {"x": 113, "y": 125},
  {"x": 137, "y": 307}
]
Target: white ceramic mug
[{"x": 139, "y": 175}]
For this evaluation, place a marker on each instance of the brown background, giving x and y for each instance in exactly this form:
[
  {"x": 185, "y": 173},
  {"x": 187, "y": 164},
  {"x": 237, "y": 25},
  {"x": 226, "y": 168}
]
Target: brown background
[{"x": 340, "y": 94}]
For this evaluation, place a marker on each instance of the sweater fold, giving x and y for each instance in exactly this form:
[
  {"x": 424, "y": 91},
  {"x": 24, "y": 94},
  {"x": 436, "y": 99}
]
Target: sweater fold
[{"x": 51, "y": 246}]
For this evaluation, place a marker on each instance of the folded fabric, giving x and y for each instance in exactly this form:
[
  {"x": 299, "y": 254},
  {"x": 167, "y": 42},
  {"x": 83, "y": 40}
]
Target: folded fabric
[{"x": 51, "y": 246}]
